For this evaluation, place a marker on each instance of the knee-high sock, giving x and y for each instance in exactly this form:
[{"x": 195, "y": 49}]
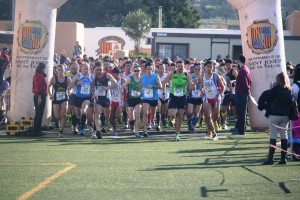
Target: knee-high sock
[
  {"x": 124, "y": 116},
  {"x": 102, "y": 119},
  {"x": 74, "y": 120},
  {"x": 82, "y": 121},
  {"x": 157, "y": 118},
  {"x": 190, "y": 122},
  {"x": 149, "y": 118},
  {"x": 163, "y": 120}
]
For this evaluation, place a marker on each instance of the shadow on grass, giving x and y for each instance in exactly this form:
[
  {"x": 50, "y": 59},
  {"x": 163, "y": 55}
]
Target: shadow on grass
[{"x": 208, "y": 164}]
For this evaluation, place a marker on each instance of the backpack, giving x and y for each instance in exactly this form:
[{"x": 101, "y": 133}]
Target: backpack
[{"x": 298, "y": 97}]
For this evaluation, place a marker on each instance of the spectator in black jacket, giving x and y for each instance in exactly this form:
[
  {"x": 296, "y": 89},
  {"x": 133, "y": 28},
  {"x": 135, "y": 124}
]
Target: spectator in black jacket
[{"x": 277, "y": 103}]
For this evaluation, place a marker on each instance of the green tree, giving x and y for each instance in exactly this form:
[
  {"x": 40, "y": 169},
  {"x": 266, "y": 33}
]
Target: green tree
[
  {"x": 5, "y": 9},
  {"x": 176, "y": 13},
  {"x": 137, "y": 25}
]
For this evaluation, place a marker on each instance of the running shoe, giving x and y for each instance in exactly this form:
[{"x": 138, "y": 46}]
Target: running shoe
[
  {"x": 81, "y": 132},
  {"x": 126, "y": 126},
  {"x": 132, "y": 127},
  {"x": 91, "y": 127},
  {"x": 114, "y": 133},
  {"x": 157, "y": 128},
  {"x": 208, "y": 133},
  {"x": 224, "y": 127},
  {"x": 145, "y": 134},
  {"x": 78, "y": 127},
  {"x": 61, "y": 133},
  {"x": 215, "y": 136},
  {"x": 108, "y": 128},
  {"x": 103, "y": 130},
  {"x": 233, "y": 129},
  {"x": 149, "y": 126},
  {"x": 177, "y": 137},
  {"x": 137, "y": 135},
  {"x": 200, "y": 123},
  {"x": 98, "y": 134},
  {"x": 191, "y": 128},
  {"x": 171, "y": 123},
  {"x": 216, "y": 125},
  {"x": 164, "y": 129},
  {"x": 93, "y": 134}
]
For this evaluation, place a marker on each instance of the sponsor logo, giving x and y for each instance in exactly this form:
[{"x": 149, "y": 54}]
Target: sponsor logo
[
  {"x": 32, "y": 37},
  {"x": 262, "y": 36}
]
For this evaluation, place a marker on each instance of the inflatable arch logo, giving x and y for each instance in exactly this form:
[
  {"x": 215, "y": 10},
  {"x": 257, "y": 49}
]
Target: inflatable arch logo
[
  {"x": 32, "y": 37},
  {"x": 108, "y": 44},
  {"x": 262, "y": 36}
]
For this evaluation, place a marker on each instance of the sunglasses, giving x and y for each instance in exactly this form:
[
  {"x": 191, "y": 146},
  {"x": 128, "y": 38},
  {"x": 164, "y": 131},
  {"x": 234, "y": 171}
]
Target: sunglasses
[{"x": 136, "y": 70}]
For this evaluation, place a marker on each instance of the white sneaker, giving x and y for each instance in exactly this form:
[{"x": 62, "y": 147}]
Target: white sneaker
[
  {"x": 215, "y": 137},
  {"x": 93, "y": 136},
  {"x": 177, "y": 138},
  {"x": 149, "y": 126}
]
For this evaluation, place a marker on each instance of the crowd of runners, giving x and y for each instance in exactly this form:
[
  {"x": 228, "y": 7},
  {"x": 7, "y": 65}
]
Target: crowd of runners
[{"x": 152, "y": 94}]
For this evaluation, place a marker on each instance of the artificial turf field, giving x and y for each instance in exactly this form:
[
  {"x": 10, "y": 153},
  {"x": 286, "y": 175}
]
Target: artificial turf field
[{"x": 156, "y": 167}]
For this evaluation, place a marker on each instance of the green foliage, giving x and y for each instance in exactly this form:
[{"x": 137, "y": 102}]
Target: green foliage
[
  {"x": 97, "y": 13},
  {"x": 5, "y": 9},
  {"x": 136, "y": 25}
]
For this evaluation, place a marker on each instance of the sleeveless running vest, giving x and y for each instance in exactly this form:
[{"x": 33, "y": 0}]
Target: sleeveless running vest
[
  {"x": 84, "y": 90},
  {"x": 179, "y": 84},
  {"x": 116, "y": 91},
  {"x": 126, "y": 77},
  {"x": 167, "y": 90},
  {"x": 149, "y": 94},
  {"x": 60, "y": 89},
  {"x": 210, "y": 86},
  {"x": 133, "y": 88},
  {"x": 99, "y": 83},
  {"x": 195, "y": 93}
]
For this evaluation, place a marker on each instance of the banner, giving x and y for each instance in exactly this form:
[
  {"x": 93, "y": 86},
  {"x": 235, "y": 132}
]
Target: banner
[
  {"x": 263, "y": 47},
  {"x": 34, "y": 35}
]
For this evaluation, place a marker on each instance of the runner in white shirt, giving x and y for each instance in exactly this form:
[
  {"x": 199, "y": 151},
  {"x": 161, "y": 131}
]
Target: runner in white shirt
[
  {"x": 127, "y": 72},
  {"x": 163, "y": 102},
  {"x": 211, "y": 97},
  {"x": 117, "y": 100}
]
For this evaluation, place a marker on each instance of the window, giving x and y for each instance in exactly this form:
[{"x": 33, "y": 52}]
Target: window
[{"x": 169, "y": 50}]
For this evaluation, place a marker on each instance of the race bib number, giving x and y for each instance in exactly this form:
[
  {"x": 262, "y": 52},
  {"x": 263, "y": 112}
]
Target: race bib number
[
  {"x": 100, "y": 92},
  {"x": 60, "y": 96},
  {"x": 148, "y": 93},
  {"x": 196, "y": 93},
  {"x": 85, "y": 89},
  {"x": 178, "y": 92},
  {"x": 115, "y": 95},
  {"x": 135, "y": 93}
]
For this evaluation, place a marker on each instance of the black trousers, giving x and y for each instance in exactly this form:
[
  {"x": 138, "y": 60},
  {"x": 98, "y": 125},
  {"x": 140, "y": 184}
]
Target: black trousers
[
  {"x": 241, "y": 109},
  {"x": 39, "y": 112}
]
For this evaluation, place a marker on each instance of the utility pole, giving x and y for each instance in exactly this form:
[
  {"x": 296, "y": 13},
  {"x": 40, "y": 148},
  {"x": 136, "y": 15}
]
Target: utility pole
[{"x": 159, "y": 16}]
